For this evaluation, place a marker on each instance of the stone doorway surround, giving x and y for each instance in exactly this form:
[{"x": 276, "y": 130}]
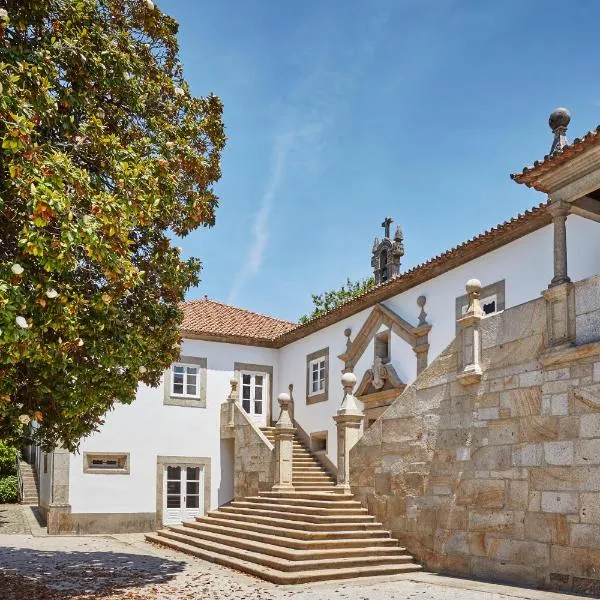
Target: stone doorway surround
[{"x": 184, "y": 461}]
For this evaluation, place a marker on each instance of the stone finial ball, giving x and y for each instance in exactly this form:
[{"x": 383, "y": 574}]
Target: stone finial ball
[
  {"x": 347, "y": 332},
  {"x": 559, "y": 117},
  {"x": 421, "y": 301},
  {"x": 348, "y": 380},
  {"x": 233, "y": 382},
  {"x": 283, "y": 397},
  {"x": 473, "y": 285}
]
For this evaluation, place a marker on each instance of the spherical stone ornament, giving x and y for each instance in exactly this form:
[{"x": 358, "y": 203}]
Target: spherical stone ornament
[
  {"x": 559, "y": 117},
  {"x": 233, "y": 382},
  {"x": 473, "y": 285},
  {"x": 421, "y": 300},
  {"x": 283, "y": 397},
  {"x": 348, "y": 380}
]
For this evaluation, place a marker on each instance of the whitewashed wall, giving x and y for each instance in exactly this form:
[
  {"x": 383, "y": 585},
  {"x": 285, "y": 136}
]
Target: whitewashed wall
[
  {"x": 147, "y": 428},
  {"x": 526, "y": 265}
]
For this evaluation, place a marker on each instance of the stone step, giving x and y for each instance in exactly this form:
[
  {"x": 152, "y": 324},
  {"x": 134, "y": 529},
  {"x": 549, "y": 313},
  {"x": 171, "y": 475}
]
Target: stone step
[
  {"x": 294, "y": 523},
  {"x": 294, "y": 531},
  {"x": 308, "y": 495},
  {"x": 289, "y": 537},
  {"x": 315, "y": 488},
  {"x": 258, "y": 555},
  {"x": 276, "y": 576},
  {"x": 329, "y": 503},
  {"x": 307, "y": 517},
  {"x": 318, "y": 478},
  {"x": 273, "y": 546},
  {"x": 301, "y": 509}
]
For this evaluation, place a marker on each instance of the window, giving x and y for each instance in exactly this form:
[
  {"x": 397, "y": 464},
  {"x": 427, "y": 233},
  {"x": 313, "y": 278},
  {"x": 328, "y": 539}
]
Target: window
[
  {"x": 317, "y": 375},
  {"x": 318, "y": 441},
  {"x": 382, "y": 346},
  {"x": 492, "y": 300},
  {"x": 185, "y": 381},
  {"x": 107, "y": 462},
  {"x": 488, "y": 305},
  {"x": 253, "y": 393}
]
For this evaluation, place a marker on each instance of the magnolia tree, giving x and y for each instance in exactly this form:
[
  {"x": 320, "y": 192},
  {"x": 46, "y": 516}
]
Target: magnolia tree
[{"x": 105, "y": 155}]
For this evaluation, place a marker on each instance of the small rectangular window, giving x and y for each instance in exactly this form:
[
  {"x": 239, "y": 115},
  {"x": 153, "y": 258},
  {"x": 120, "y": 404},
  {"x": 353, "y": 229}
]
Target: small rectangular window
[
  {"x": 109, "y": 462},
  {"x": 317, "y": 374},
  {"x": 185, "y": 381}
]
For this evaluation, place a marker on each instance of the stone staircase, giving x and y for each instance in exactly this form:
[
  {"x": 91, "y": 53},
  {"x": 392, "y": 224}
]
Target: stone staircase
[
  {"x": 30, "y": 483},
  {"x": 308, "y": 534}
]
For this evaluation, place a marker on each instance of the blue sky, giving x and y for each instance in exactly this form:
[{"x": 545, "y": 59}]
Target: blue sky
[{"x": 342, "y": 112}]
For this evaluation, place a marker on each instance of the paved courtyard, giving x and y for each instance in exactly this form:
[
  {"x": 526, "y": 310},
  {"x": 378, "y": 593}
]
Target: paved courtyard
[{"x": 124, "y": 567}]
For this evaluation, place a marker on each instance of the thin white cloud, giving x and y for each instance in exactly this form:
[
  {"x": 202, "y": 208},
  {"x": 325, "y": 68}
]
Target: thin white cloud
[
  {"x": 260, "y": 228},
  {"x": 306, "y": 112}
]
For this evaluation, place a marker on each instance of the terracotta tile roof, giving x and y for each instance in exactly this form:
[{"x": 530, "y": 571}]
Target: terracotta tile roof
[
  {"x": 208, "y": 319},
  {"x": 530, "y": 175},
  {"x": 222, "y": 322}
]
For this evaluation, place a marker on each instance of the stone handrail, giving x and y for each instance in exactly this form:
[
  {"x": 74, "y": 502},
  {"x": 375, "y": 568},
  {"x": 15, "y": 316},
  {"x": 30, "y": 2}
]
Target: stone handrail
[{"x": 254, "y": 454}]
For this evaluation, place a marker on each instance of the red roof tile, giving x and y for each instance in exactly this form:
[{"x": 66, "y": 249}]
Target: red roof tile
[
  {"x": 530, "y": 175},
  {"x": 208, "y": 318}
]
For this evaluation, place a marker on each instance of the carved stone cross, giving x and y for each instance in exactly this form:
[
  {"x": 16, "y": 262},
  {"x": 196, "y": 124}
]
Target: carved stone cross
[{"x": 386, "y": 225}]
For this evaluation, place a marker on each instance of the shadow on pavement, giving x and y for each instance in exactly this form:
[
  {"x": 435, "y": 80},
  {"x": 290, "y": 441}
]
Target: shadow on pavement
[{"x": 61, "y": 575}]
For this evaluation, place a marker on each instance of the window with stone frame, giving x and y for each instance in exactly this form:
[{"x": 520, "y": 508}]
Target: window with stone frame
[
  {"x": 185, "y": 382},
  {"x": 106, "y": 462},
  {"x": 492, "y": 298},
  {"x": 317, "y": 376}
]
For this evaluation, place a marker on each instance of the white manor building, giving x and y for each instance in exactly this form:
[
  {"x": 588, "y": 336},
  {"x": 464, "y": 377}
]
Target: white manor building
[{"x": 170, "y": 456}]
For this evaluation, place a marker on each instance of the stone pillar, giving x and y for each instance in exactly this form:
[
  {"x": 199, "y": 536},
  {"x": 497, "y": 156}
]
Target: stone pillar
[
  {"x": 560, "y": 315},
  {"x": 559, "y": 211},
  {"x": 421, "y": 332},
  {"x": 58, "y": 518},
  {"x": 470, "y": 341},
  {"x": 559, "y": 297},
  {"x": 348, "y": 420},
  {"x": 231, "y": 401},
  {"x": 284, "y": 439}
]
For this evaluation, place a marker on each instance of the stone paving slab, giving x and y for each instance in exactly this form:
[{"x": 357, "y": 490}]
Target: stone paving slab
[{"x": 126, "y": 568}]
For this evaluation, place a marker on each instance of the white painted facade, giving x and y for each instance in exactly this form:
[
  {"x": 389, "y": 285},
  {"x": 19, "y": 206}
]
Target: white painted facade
[{"x": 148, "y": 428}]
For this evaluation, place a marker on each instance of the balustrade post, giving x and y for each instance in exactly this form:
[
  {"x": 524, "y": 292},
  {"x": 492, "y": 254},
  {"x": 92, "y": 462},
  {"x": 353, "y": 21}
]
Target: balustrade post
[
  {"x": 348, "y": 420},
  {"x": 470, "y": 336},
  {"x": 284, "y": 440},
  {"x": 231, "y": 400}
]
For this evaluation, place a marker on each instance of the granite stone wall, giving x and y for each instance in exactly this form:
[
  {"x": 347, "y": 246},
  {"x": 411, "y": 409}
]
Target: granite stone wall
[
  {"x": 254, "y": 456},
  {"x": 501, "y": 478}
]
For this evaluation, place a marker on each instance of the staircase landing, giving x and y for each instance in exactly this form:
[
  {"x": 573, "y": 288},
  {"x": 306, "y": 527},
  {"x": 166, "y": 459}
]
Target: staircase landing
[{"x": 309, "y": 534}]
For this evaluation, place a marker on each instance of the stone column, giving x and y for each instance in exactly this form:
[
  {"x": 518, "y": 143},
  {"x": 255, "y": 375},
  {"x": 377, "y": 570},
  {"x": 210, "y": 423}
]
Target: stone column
[
  {"x": 470, "y": 341},
  {"x": 348, "y": 420},
  {"x": 559, "y": 211},
  {"x": 559, "y": 297},
  {"x": 231, "y": 401},
  {"x": 284, "y": 439},
  {"x": 58, "y": 518}
]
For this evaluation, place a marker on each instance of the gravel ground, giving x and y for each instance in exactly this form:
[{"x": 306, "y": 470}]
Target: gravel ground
[
  {"x": 12, "y": 519},
  {"x": 127, "y": 568}
]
